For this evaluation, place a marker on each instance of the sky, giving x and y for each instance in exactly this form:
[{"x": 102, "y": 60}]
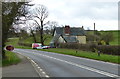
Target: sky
[{"x": 78, "y": 13}]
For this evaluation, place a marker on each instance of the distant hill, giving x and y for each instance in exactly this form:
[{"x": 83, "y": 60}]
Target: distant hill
[{"x": 116, "y": 34}]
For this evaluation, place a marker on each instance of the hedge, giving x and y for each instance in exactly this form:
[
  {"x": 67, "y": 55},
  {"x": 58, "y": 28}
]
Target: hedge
[
  {"x": 25, "y": 44},
  {"x": 106, "y": 49}
]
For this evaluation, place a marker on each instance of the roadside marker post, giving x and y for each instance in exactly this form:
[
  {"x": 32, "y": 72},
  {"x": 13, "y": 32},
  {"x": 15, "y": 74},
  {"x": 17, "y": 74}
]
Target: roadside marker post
[{"x": 98, "y": 53}]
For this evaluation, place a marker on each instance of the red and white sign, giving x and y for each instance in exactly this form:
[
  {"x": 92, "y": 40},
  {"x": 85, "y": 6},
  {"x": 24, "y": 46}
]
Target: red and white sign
[{"x": 9, "y": 48}]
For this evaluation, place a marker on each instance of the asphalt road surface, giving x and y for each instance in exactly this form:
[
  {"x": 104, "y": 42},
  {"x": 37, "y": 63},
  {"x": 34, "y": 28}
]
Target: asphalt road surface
[{"x": 59, "y": 65}]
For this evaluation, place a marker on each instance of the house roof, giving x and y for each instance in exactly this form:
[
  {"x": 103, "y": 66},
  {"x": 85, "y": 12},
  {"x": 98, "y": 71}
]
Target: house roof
[
  {"x": 70, "y": 38},
  {"x": 55, "y": 38},
  {"x": 66, "y": 38},
  {"x": 73, "y": 31}
]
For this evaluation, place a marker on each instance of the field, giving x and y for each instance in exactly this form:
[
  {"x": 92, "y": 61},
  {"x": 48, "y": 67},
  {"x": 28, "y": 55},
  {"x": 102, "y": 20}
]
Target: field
[
  {"x": 30, "y": 40},
  {"x": 14, "y": 42},
  {"x": 79, "y": 53},
  {"x": 115, "y": 36}
]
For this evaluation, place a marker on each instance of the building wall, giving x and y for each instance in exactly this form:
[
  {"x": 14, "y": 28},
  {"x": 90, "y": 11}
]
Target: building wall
[
  {"x": 55, "y": 33},
  {"x": 81, "y": 39},
  {"x": 61, "y": 40}
]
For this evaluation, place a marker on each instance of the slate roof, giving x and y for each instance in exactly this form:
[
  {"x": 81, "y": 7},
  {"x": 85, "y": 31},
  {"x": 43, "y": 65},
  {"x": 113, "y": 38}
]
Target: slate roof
[
  {"x": 55, "y": 38},
  {"x": 73, "y": 31},
  {"x": 70, "y": 38}
]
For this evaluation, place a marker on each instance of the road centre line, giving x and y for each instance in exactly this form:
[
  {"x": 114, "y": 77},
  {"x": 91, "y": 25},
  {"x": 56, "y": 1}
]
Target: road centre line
[
  {"x": 81, "y": 58},
  {"x": 80, "y": 66},
  {"x": 77, "y": 57},
  {"x": 84, "y": 67}
]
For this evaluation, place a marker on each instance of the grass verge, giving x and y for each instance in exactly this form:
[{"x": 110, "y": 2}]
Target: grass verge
[
  {"x": 11, "y": 58},
  {"x": 85, "y": 54}
]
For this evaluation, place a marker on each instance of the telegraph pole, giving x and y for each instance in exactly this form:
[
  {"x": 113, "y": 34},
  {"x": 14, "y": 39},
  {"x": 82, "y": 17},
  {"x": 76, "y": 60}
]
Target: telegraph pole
[{"x": 94, "y": 32}]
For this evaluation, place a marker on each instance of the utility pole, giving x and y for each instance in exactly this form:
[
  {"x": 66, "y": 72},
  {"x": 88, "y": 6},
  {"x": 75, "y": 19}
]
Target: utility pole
[{"x": 94, "y": 32}]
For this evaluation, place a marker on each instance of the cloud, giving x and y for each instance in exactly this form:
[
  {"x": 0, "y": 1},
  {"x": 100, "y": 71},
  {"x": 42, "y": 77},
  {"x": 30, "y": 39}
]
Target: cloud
[{"x": 83, "y": 12}]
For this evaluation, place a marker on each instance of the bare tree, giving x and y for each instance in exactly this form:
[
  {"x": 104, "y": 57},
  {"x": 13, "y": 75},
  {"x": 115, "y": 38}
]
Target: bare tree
[
  {"x": 52, "y": 25},
  {"x": 40, "y": 12},
  {"x": 32, "y": 28}
]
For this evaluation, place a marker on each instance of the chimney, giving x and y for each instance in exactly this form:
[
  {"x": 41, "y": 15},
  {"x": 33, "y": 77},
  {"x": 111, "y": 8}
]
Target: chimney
[
  {"x": 67, "y": 30},
  {"x": 83, "y": 27}
]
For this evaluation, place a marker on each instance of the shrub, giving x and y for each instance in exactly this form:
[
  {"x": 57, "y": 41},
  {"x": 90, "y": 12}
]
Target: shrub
[{"x": 106, "y": 49}]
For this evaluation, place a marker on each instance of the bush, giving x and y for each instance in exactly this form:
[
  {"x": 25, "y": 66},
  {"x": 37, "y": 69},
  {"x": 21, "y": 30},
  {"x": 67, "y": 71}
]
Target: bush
[
  {"x": 106, "y": 49},
  {"x": 85, "y": 47}
]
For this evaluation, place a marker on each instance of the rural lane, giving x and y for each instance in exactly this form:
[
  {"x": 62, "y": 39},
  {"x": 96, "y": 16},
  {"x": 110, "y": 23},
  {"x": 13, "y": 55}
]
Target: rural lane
[{"x": 59, "y": 65}]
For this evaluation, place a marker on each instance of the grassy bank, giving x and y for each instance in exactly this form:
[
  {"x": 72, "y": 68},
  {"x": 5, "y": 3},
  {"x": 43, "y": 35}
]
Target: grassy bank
[
  {"x": 30, "y": 40},
  {"x": 14, "y": 42},
  {"x": 86, "y": 54},
  {"x": 11, "y": 58}
]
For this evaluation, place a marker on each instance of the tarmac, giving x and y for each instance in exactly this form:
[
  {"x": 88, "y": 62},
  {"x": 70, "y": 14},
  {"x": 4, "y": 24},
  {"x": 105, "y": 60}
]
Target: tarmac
[{"x": 23, "y": 69}]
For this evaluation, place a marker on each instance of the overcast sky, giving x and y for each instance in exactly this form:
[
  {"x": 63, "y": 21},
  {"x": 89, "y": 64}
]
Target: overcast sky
[{"x": 77, "y": 13}]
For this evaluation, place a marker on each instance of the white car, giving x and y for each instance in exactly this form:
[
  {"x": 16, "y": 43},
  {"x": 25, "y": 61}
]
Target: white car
[
  {"x": 45, "y": 47},
  {"x": 36, "y": 45},
  {"x": 39, "y": 46}
]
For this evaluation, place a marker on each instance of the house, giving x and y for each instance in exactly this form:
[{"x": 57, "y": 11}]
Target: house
[{"x": 68, "y": 34}]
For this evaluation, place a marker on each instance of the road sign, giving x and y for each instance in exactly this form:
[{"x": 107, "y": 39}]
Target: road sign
[{"x": 10, "y": 48}]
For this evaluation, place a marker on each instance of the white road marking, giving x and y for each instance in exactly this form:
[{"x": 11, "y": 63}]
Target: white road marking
[
  {"x": 81, "y": 58},
  {"x": 36, "y": 66},
  {"x": 47, "y": 76},
  {"x": 84, "y": 67},
  {"x": 43, "y": 72},
  {"x": 81, "y": 66},
  {"x": 40, "y": 69},
  {"x": 78, "y": 57}
]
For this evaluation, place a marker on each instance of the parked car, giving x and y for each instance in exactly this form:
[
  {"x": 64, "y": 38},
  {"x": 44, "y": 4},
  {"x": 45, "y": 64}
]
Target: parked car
[
  {"x": 45, "y": 47},
  {"x": 39, "y": 46},
  {"x": 36, "y": 45}
]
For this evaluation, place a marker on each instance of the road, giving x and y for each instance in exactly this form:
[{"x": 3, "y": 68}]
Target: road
[{"x": 59, "y": 65}]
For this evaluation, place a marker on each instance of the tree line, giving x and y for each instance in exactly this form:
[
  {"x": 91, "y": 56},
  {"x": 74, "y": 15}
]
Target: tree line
[{"x": 15, "y": 15}]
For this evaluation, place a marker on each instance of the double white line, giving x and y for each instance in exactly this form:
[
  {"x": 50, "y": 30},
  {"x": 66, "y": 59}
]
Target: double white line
[
  {"x": 84, "y": 67},
  {"x": 80, "y": 66}
]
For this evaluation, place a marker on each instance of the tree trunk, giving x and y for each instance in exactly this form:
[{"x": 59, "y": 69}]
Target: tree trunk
[
  {"x": 41, "y": 33},
  {"x": 34, "y": 38},
  {"x": 3, "y": 51},
  {"x": 3, "y": 54}
]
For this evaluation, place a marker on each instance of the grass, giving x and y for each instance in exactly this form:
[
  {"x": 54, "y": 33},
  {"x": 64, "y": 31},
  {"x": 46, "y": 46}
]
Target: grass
[
  {"x": 11, "y": 58},
  {"x": 85, "y": 54},
  {"x": 30, "y": 40},
  {"x": 115, "y": 35},
  {"x": 14, "y": 42}
]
